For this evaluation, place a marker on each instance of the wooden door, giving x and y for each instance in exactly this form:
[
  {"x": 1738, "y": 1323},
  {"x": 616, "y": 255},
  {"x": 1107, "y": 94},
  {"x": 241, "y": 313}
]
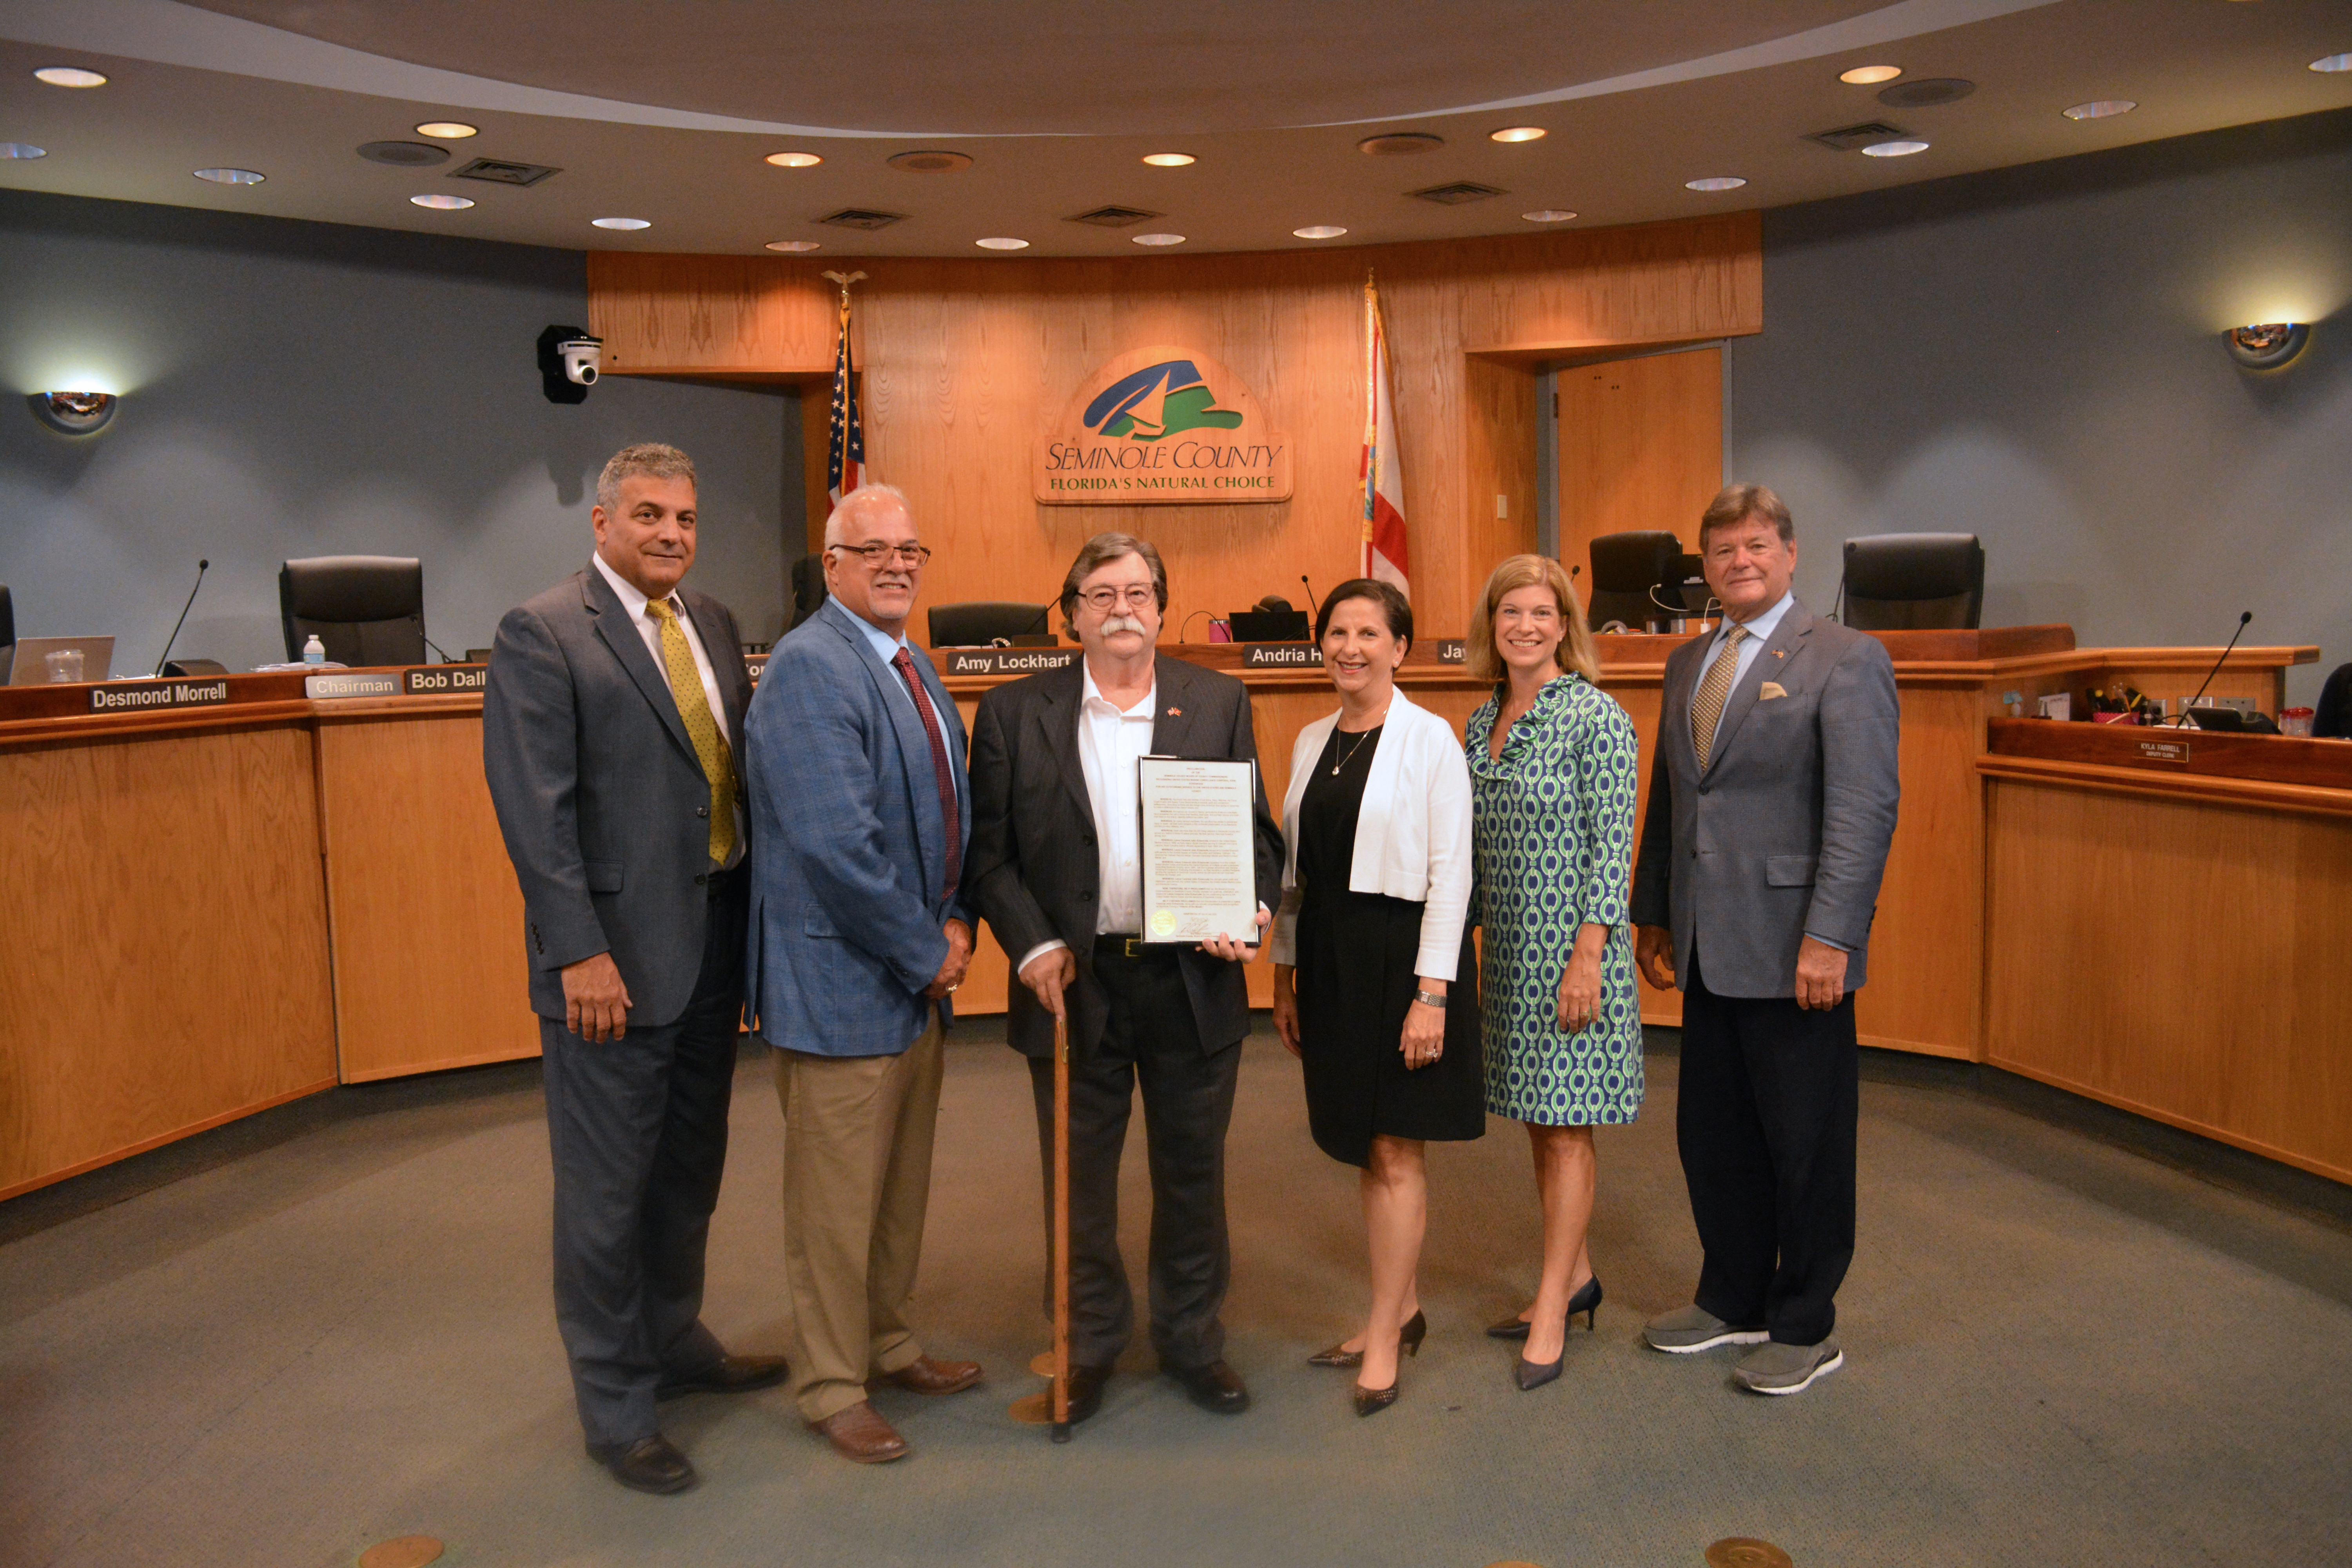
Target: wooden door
[{"x": 1641, "y": 446}]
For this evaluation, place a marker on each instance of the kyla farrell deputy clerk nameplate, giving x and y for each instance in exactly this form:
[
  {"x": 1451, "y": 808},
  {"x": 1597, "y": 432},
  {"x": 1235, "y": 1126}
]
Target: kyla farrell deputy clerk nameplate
[{"x": 1200, "y": 868}]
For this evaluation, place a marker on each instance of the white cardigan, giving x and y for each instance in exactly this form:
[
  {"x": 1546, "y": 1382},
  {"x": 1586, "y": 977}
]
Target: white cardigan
[{"x": 1413, "y": 837}]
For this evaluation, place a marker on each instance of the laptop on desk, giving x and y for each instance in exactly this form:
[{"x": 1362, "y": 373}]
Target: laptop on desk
[{"x": 31, "y": 667}]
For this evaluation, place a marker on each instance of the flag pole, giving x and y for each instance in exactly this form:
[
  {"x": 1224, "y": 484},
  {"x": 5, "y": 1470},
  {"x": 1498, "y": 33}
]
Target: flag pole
[{"x": 1372, "y": 419}]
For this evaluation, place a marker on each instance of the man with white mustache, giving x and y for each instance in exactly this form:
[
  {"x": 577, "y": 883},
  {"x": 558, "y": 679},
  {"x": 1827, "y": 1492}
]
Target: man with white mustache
[{"x": 1056, "y": 869}]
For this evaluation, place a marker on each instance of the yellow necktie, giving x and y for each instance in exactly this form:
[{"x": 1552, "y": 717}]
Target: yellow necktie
[
  {"x": 1706, "y": 703},
  {"x": 701, "y": 728}
]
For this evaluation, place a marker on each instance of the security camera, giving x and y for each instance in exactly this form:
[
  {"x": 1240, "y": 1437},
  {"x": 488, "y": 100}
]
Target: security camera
[{"x": 570, "y": 360}]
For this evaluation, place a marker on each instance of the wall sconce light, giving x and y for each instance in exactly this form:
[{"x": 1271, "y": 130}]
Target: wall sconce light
[
  {"x": 74, "y": 413},
  {"x": 2267, "y": 347}
]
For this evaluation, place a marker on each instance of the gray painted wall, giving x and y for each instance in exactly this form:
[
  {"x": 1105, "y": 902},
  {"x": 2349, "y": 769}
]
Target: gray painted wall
[
  {"x": 307, "y": 389},
  {"x": 2034, "y": 355}
]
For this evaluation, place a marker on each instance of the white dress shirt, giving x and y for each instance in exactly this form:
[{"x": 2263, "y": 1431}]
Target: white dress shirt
[
  {"x": 1760, "y": 632},
  {"x": 649, "y": 629},
  {"x": 1110, "y": 741}
]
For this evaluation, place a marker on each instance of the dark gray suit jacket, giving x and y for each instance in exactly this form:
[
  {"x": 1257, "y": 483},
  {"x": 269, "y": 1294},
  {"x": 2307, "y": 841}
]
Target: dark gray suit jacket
[
  {"x": 1786, "y": 831},
  {"x": 603, "y": 804},
  {"x": 1034, "y": 871}
]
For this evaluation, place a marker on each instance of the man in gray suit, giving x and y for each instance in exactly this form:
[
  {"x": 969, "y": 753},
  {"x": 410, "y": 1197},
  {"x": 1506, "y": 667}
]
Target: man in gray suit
[
  {"x": 1772, "y": 797},
  {"x": 608, "y": 731}
]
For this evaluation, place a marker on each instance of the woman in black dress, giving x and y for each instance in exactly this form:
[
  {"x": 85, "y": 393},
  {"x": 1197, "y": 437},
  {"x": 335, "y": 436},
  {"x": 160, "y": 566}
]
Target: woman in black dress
[{"x": 1371, "y": 951}]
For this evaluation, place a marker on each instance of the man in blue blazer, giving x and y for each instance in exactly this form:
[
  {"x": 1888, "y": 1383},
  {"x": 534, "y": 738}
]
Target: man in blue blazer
[{"x": 854, "y": 774}]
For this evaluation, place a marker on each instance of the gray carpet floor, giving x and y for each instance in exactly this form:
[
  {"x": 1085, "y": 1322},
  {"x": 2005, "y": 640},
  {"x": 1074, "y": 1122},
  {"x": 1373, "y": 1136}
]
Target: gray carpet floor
[{"x": 2068, "y": 1343}]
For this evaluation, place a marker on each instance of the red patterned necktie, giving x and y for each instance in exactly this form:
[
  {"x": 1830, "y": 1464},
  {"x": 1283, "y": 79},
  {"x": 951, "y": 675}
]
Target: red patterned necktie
[{"x": 940, "y": 768}]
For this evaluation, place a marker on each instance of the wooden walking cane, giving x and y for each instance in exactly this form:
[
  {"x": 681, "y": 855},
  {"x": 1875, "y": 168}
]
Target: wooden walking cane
[
  {"x": 1052, "y": 1407},
  {"x": 1062, "y": 1228}
]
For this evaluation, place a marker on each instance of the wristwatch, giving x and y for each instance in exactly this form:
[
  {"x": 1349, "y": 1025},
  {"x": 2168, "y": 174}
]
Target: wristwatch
[{"x": 1428, "y": 999}]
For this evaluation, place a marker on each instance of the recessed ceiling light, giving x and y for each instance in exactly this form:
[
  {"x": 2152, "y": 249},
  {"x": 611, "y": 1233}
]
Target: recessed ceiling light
[
  {"x": 1893, "y": 149},
  {"x": 1518, "y": 133},
  {"x": 1870, "y": 76},
  {"x": 2333, "y": 63},
  {"x": 622, "y": 222},
  {"x": 1158, "y": 239},
  {"x": 794, "y": 246},
  {"x": 441, "y": 203},
  {"x": 794, "y": 159},
  {"x": 1714, "y": 183},
  {"x": 1548, "y": 214},
  {"x": 1168, "y": 160},
  {"x": 1319, "y": 231},
  {"x": 2100, "y": 109},
  {"x": 1398, "y": 144},
  {"x": 929, "y": 163},
  {"x": 70, "y": 76},
  {"x": 22, "y": 150},
  {"x": 1001, "y": 242},
  {"x": 448, "y": 129},
  {"x": 229, "y": 176}
]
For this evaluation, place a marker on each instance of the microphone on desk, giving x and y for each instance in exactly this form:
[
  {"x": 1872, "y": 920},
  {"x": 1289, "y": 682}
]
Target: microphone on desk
[
  {"x": 1313, "y": 608},
  {"x": 436, "y": 647},
  {"x": 2244, "y": 617},
  {"x": 202, "y": 567}
]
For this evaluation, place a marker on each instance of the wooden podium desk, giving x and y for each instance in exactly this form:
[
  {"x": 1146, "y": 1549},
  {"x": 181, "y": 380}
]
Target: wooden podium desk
[
  {"x": 219, "y": 907},
  {"x": 222, "y": 907},
  {"x": 2169, "y": 925},
  {"x": 1926, "y": 948}
]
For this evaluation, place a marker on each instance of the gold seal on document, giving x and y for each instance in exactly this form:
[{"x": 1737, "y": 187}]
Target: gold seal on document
[{"x": 1163, "y": 922}]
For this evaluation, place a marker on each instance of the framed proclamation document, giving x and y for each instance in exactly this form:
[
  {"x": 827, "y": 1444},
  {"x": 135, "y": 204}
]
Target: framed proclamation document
[{"x": 1200, "y": 866}]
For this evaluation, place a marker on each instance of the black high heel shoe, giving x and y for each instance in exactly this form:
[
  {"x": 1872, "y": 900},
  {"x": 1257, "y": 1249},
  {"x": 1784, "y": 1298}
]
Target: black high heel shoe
[
  {"x": 1530, "y": 1375},
  {"x": 1409, "y": 1338},
  {"x": 1372, "y": 1401},
  {"x": 1585, "y": 1301}
]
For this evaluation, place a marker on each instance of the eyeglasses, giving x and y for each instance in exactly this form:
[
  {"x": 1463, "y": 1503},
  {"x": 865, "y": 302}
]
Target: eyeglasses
[
  {"x": 1134, "y": 597},
  {"x": 876, "y": 554}
]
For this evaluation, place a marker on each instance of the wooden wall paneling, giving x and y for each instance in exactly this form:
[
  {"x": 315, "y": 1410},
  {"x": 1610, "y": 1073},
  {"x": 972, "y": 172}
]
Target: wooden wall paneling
[
  {"x": 1927, "y": 943},
  {"x": 2135, "y": 946},
  {"x": 428, "y": 958},
  {"x": 1641, "y": 446},
  {"x": 964, "y": 360},
  {"x": 168, "y": 968}
]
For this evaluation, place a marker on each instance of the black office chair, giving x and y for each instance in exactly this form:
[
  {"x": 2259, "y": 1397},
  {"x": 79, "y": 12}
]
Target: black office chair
[
  {"x": 7, "y": 630},
  {"x": 808, "y": 588},
  {"x": 2331, "y": 718},
  {"x": 1625, "y": 567},
  {"x": 1914, "y": 582},
  {"x": 982, "y": 621},
  {"x": 365, "y": 609}
]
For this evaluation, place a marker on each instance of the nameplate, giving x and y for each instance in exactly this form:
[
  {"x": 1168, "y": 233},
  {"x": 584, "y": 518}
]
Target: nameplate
[
  {"x": 755, "y": 665},
  {"x": 1453, "y": 650},
  {"x": 336, "y": 684},
  {"x": 1003, "y": 660},
  {"x": 1281, "y": 655},
  {"x": 130, "y": 696},
  {"x": 445, "y": 680},
  {"x": 2164, "y": 750}
]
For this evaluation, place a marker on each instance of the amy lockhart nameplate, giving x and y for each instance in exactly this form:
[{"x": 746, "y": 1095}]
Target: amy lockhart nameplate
[
  {"x": 1003, "y": 660},
  {"x": 131, "y": 696}
]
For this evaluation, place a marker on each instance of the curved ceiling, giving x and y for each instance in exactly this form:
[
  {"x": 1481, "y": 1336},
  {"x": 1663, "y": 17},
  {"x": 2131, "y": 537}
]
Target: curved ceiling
[
  {"x": 1049, "y": 67},
  {"x": 664, "y": 109}
]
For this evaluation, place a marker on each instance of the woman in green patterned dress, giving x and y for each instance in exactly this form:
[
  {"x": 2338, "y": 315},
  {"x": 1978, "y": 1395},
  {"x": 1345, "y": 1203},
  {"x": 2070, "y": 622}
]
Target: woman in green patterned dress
[{"x": 1552, "y": 768}]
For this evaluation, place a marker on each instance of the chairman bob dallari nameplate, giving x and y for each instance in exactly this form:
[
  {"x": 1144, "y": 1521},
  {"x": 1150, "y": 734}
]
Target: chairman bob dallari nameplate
[{"x": 1161, "y": 426}]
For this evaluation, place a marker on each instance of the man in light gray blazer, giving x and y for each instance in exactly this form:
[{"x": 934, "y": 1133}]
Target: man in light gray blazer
[
  {"x": 854, "y": 766},
  {"x": 1773, "y": 796},
  {"x": 615, "y": 699}
]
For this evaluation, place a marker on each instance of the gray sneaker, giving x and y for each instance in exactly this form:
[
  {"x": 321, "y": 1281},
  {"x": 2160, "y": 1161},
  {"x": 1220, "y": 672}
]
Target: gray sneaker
[
  {"x": 1690, "y": 1329},
  {"x": 1787, "y": 1369}
]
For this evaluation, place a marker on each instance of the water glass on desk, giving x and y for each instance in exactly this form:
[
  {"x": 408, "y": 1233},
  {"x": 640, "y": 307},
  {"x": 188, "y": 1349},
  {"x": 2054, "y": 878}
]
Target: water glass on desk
[
  {"x": 2295, "y": 721},
  {"x": 65, "y": 665}
]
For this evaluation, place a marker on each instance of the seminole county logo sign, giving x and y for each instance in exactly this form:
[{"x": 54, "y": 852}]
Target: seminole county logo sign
[{"x": 1161, "y": 426}]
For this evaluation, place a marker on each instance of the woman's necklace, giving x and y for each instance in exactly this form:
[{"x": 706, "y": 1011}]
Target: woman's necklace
[{"x": 1349, "y": 755}]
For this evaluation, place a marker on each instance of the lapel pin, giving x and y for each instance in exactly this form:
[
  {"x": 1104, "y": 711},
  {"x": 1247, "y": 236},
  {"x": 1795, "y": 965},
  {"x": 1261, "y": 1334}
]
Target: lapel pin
[
  {"x": 1175, "y": 712},
  {"x": 1779, "y": 653}
]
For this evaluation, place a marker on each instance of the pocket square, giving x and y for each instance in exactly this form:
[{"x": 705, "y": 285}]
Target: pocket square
[{"x": 1771, "y": 689}]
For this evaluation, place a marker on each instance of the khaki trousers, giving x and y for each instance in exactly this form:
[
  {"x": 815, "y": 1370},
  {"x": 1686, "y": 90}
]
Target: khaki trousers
[{"x": 857, "y": 1180}]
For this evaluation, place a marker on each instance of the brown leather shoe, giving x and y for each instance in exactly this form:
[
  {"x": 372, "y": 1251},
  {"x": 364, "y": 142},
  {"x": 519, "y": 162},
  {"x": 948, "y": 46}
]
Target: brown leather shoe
[
  {"x": 647, "y": 1465},
  {"x": 924, "y": 1375},
  {"x": 860, "y": 1435},
  {"x": 729, "y": 1374}
]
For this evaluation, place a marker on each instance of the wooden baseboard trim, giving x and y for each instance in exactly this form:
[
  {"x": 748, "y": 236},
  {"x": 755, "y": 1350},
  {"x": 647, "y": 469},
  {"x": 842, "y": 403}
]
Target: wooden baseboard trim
[
  {"x": 413, "y": 1069},
  {"x": 51, "y": 1178},
  {"x": 2317, "y": 1167}
]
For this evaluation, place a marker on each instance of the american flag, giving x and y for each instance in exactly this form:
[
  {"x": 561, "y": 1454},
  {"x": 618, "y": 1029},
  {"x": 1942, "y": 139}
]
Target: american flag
[{"x": 845, "y": 463}]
